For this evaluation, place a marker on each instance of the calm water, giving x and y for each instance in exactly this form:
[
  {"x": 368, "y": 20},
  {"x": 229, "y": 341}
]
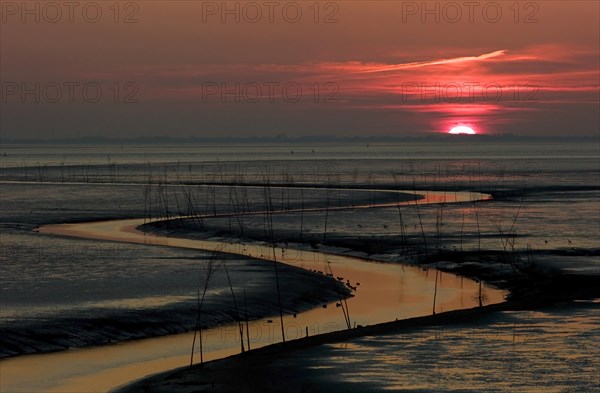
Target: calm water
[
  {"x": 543, "y": 351},
  {"x": 546, "y": 194},
  {"x": 476, "y": 164}
]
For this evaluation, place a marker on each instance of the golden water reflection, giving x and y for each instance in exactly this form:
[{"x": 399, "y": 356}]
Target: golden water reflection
[{"x": 384, "y": 292}]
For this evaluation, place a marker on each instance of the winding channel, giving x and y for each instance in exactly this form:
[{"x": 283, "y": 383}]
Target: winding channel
[{"x": 386, "y": 292}]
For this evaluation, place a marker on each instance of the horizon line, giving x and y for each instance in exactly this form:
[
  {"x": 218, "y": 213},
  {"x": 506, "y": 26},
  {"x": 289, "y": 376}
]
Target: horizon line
[{"x": 283, "y": 138}]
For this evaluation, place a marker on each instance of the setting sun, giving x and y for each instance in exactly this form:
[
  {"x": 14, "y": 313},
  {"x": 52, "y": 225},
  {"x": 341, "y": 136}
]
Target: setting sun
[
  {"x": 464, "y": 130},
  {"x": 200, "y": 192}
]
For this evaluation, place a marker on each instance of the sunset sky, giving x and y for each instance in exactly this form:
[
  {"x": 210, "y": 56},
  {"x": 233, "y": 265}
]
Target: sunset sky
[{"x": 345, "y": 68}]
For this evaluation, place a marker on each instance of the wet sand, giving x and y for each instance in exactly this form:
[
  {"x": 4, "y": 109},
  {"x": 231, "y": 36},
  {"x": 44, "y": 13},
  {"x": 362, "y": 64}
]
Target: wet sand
[
  {"x": 386, "y": 292},
  {"x": 498, "y": 348}
]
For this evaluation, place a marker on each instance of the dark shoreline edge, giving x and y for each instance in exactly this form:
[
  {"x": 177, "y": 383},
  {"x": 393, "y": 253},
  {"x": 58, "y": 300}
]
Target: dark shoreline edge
[
  {"x": 534, "y": 283},
  {"x": 196, "y": 377},
  {"x": 64, "y": 333},
  {"x": 541, "y": 289}
]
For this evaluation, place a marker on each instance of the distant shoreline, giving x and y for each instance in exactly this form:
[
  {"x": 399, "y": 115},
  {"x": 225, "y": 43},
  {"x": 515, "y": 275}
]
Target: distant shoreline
[{"x": 285, "y": 140}]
